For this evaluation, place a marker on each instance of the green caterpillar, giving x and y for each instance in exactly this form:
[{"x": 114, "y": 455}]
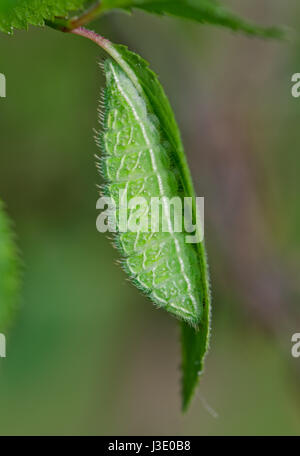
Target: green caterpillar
[
  {"x": 138, "y": 160},
  {"x": 146, "y": 131}
]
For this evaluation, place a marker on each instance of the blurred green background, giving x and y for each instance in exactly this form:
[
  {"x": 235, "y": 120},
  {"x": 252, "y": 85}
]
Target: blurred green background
[{"x": 88, "y": 354}]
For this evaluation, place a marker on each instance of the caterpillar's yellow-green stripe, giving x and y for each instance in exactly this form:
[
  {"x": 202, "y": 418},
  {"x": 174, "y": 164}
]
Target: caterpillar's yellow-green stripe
[{"x": 137, "y": 160}]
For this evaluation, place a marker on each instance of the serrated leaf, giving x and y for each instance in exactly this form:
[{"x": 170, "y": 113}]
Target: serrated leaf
[
  {"x": 9, "y": 272},
  {"x": 21, "y": 13},
  {"x": 18, "y": 14},
  {"x": 194, "y": 340},
  {"x": 201, "y": 11}
]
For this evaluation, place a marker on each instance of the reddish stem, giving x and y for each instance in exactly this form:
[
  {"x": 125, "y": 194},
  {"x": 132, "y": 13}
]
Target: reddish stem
[{"x": 93, "y": 36}]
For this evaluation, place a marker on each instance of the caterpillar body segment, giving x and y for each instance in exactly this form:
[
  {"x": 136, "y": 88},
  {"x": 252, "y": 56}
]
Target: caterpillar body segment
[{"x": 137, "y": 160}]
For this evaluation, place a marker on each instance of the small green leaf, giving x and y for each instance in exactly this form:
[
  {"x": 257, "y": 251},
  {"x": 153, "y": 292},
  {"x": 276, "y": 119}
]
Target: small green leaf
[
  {"x": 21, "y": 13},
  {"x": 148, "y": 88},
  {"x": 201, "y": 11},
  {"x": 194, "y": 341},
  {"x": 9, "y": 272}
]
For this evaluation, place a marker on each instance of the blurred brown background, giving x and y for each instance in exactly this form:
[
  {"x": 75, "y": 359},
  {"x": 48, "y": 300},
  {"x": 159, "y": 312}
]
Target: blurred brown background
[{"x": 88, "y": 353}]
